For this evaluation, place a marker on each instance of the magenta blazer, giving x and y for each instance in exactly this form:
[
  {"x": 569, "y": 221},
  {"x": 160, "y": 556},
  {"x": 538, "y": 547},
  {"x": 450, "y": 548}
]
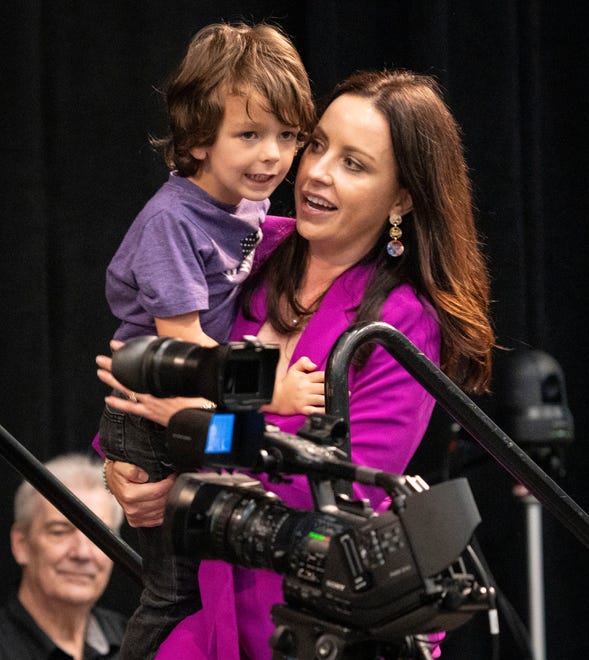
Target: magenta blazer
[{"x": 389, "y": 414}]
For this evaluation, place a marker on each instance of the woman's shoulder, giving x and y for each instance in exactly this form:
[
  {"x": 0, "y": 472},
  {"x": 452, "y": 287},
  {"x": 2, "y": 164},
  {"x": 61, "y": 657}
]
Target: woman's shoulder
[
  {"x": 274, "y": 229},
  {"x": 411, "y": 314},
  {"x": 405, "y": 306}
]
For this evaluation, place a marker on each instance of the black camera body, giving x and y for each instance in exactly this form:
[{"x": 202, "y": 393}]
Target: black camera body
[{"x": 387, "y": 574}]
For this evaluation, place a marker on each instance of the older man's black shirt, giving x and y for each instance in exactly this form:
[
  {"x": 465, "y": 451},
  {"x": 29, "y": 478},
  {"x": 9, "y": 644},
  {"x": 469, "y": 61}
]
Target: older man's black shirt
[{"x": 22, "y": 639}]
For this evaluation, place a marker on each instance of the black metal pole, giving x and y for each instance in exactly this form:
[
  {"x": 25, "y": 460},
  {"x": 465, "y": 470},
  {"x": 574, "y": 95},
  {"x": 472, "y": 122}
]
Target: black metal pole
[
  {"x": 71, "y": 507},
  {"x": 501, "y": 447}
]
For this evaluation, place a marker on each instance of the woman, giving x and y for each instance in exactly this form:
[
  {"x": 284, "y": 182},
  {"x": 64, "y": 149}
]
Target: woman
[{"x": 385, "y": 151}]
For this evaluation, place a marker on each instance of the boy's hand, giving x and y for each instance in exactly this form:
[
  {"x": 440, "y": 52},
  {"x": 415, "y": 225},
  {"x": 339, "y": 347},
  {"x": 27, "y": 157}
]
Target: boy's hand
[{"x": 301, "y": 391}]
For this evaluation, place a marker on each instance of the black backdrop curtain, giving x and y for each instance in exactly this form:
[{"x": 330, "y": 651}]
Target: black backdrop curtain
[{"x": 80, "y": 83}]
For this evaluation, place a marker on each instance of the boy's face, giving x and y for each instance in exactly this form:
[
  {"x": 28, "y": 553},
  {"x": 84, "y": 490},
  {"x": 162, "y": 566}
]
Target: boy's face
[{"x": 251, "y": 155}]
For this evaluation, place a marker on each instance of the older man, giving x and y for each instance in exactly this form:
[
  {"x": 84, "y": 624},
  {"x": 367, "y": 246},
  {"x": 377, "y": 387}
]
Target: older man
[{"x": 53, "y": 615}]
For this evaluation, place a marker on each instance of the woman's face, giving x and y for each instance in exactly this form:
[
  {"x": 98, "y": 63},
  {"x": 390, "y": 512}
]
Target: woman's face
[{"x": 347, "y": 184}]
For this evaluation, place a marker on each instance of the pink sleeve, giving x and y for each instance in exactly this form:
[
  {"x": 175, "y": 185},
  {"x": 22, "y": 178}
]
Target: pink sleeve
[
  {"x": 389, "y": 409},
  {"x": 96, "y": 445}
]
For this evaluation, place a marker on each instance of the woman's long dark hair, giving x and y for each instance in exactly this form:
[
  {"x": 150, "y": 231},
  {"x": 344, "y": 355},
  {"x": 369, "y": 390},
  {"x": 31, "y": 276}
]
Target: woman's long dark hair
[{"x": 442, "y": 259}]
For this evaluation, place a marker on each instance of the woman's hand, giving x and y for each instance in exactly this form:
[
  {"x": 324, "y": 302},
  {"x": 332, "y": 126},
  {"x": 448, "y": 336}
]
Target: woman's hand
[
  {"x": 300, "y": 392},
  {"x": 144, "y": 503},
  {"x": 158, "y": 410}
]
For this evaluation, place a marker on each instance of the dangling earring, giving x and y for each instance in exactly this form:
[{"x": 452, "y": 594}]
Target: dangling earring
[{"x": 394, "y": 247}]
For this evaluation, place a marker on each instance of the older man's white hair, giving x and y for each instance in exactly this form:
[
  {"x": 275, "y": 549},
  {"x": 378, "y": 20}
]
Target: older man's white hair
[{"x": 75, "y": 471}]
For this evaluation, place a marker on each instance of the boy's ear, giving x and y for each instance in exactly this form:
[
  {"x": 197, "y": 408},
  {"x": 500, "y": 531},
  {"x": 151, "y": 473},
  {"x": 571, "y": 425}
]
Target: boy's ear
[{"x": 198, "y": 153}]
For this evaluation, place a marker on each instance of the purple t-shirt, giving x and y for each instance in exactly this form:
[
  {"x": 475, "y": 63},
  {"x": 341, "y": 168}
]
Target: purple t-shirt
[{"x": 185, "y": 252}]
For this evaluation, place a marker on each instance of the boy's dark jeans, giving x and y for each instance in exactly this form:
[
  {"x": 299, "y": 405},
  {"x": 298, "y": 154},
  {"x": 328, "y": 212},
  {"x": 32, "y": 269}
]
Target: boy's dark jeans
[{"x": 170, "y": 583}]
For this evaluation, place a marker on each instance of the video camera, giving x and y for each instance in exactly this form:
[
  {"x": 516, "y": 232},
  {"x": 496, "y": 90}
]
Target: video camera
[{"x": 356, "y": 583}]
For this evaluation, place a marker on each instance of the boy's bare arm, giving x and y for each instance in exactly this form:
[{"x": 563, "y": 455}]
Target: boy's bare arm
[{"x": 186, "y": 327}]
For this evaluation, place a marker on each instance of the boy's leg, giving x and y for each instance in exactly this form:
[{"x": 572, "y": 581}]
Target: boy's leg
[
  {"x": 170, "y": 594},
  {"x": 134, "y": 439},
  {"x": 170, "y": 583}
]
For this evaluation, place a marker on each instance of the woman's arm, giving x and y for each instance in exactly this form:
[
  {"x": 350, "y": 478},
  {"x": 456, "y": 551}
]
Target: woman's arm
[{"x": 389, "y": 409}]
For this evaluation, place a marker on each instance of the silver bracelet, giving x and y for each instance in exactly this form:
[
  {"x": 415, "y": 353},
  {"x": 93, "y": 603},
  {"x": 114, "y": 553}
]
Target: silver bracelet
[{"x": 104, "y": 480}]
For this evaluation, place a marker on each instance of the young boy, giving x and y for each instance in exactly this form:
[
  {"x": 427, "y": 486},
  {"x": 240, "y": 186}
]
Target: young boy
[{"x": 239, "y": 106}]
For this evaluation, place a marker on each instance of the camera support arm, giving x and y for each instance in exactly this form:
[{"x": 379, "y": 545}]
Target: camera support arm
[
  {"x": 501, "y": 447},
  {"x": 74, "y": 509},
  {"x": 325, "y": 463}
]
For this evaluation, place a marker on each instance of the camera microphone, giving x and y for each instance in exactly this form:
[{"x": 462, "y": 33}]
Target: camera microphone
[
  {"x": 204, "y": 439},
  {"x": 296, "y": 455}
]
